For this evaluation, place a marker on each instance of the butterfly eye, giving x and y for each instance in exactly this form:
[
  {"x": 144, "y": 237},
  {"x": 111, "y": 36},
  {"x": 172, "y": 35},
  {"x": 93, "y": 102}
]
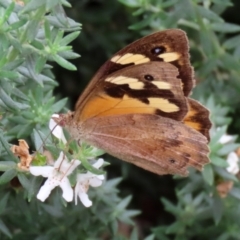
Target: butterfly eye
[
  {"x": 158, "y": 50},
  {"x": 172, "y": 161},
  {"x": 149, "y": 77}
]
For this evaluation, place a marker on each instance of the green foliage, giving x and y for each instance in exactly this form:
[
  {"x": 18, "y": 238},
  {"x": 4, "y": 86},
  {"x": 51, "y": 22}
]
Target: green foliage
[
  {"x": 39, "y": 33},
  {"x": 33, "y": 35}
]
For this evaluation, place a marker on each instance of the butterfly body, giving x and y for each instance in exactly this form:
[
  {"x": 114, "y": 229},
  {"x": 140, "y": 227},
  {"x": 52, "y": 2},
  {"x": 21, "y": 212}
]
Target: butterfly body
[{"x": 137, "y": 107}]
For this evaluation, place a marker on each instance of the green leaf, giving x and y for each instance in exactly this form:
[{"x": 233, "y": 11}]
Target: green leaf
[
  {"x": 235, "y": 192},
  {"x": 8, "y": 176},
  {"x": 25, "y": 130},
  {"x": 4, "y": 229},
  {"x": 58, "y": 106},
  {"x": 217, "y": 208},
  {"x": 124, "y": 203},
  {"x": 33, "y": 5},
  {"x": 7, "y": 147},
  {"x": 3, "y": 203},
  {"x": 38, "y": 139},
  {"x": 126, "y": 216},
  {"x": 141, "y": 24},
  {"x": 227, "y": 148},
  {"x": 14, "y": 64},
  {"x": 208, "y": 14},
  {"x": 170, "y": 207},
  {"x": 52, "y": 3},
  {"x": 64, "y": 63},
  {"x": 232, "y": 42},
  {"x": 208, "y": 174},
  {"x": 47, "y": 30},
  {"x": 131, "y": 3},
  {"x": 69, "y": 55},
  {"x": 65, "y": 3},
  {"x": 218, "y": 134},
  {"x": 53, "y": 211},
  {"x": 18, "y": 24},
  {"x": 218, "y": 161},
  {"x": 35, "y": 183},
  {"x": 7, "y": 165},
  {"x": 114, "y": 227},
  {"x": 24, "y": 180},
  {"x": 134, "y": 234},
  {"x": 40, "y": 63},
  {"x": 12, "y": 105},
  {"x": 150, "y": 237},
  {"x": 225, "y": 27},
  {"x": 8, "y": 74},
  {"x": 113, "y": 183},
  {"x": 16, "y": 92},
  {"x": 89, "y": 167},
  {"x": 225, "y": 174},
  {"x": 174, "y": 228},
  {"x": 8, "y": 12},
  {"x": 69, "y": 38}
]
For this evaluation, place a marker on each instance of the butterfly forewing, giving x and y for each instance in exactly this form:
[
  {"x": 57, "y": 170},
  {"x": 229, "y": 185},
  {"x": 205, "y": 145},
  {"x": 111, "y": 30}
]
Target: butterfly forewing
[
  {"x": 165, "y": 46},
  {"x": 151, "y": 88}
]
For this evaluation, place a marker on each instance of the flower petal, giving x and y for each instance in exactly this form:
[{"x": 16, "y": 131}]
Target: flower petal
[
  {"x": 64, "y": 166},
  {"x": 44, "y": 171},
  {"x": 46, "y": 189},
  {"x": 73, "y": 164},
  {"x": 84, "y": 199},
  {"x": 99, "y": 163},
  {"x": 67, "y": 189},
  {"x": 95, "y": 182},
  {"x": 232, "y": 161},
  {"x": 57, "y": 130},
  {"x": 225, "y": 139}
]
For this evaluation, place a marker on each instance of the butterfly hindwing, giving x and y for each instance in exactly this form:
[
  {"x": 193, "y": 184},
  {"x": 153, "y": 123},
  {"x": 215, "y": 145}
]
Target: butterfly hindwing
[
  {"x": 155, "y": 143},
  {"x": 198, "y": 118}
]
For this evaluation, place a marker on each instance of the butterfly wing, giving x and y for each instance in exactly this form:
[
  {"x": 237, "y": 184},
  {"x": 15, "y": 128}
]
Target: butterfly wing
[
  {"x": 198, "y": 118},
  {"x": 166, "y": 46},
  {"x": 155, "y": 143},
  {"x": 137, "y": 107},
  {"x": 146, "y": 88}
]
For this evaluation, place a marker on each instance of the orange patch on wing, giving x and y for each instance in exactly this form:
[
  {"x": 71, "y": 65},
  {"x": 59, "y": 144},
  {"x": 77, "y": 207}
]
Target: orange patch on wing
[
  {"x": 188, "y": 120},
  {"x": 104, "y": 105},
  {"x": 193, "y": 125}
]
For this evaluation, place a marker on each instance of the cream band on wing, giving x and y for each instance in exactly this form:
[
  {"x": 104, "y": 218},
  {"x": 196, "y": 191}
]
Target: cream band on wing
[
  {"x": 130, "y": 58},
  {"x": 121, "y": 80},
  {"x": 163, "y": 105},
  {"x": 169, "y": 57},
  {"x": 134, "y": 83}
]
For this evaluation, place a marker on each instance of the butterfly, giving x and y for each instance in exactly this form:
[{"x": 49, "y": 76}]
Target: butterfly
[{"x": 137, "y": 107}]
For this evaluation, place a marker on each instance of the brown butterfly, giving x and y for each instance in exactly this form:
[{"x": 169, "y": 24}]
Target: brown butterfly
[{"x": 137, "y": 108}]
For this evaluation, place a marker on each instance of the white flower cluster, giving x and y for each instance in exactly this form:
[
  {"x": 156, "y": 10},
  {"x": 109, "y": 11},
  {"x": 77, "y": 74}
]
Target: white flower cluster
[
  {"x": 58, "y": 174},
  {"x": 232, "y": 158}
]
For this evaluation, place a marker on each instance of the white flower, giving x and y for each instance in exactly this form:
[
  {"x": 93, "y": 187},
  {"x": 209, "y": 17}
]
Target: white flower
[
  {"x": 232, "y": 161},
  {"x": 84, "y": 181},
  {"x": 57, "y": 176},
  {"x": 56, "y": 129},
  {"x": 225, "y": 138}
]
